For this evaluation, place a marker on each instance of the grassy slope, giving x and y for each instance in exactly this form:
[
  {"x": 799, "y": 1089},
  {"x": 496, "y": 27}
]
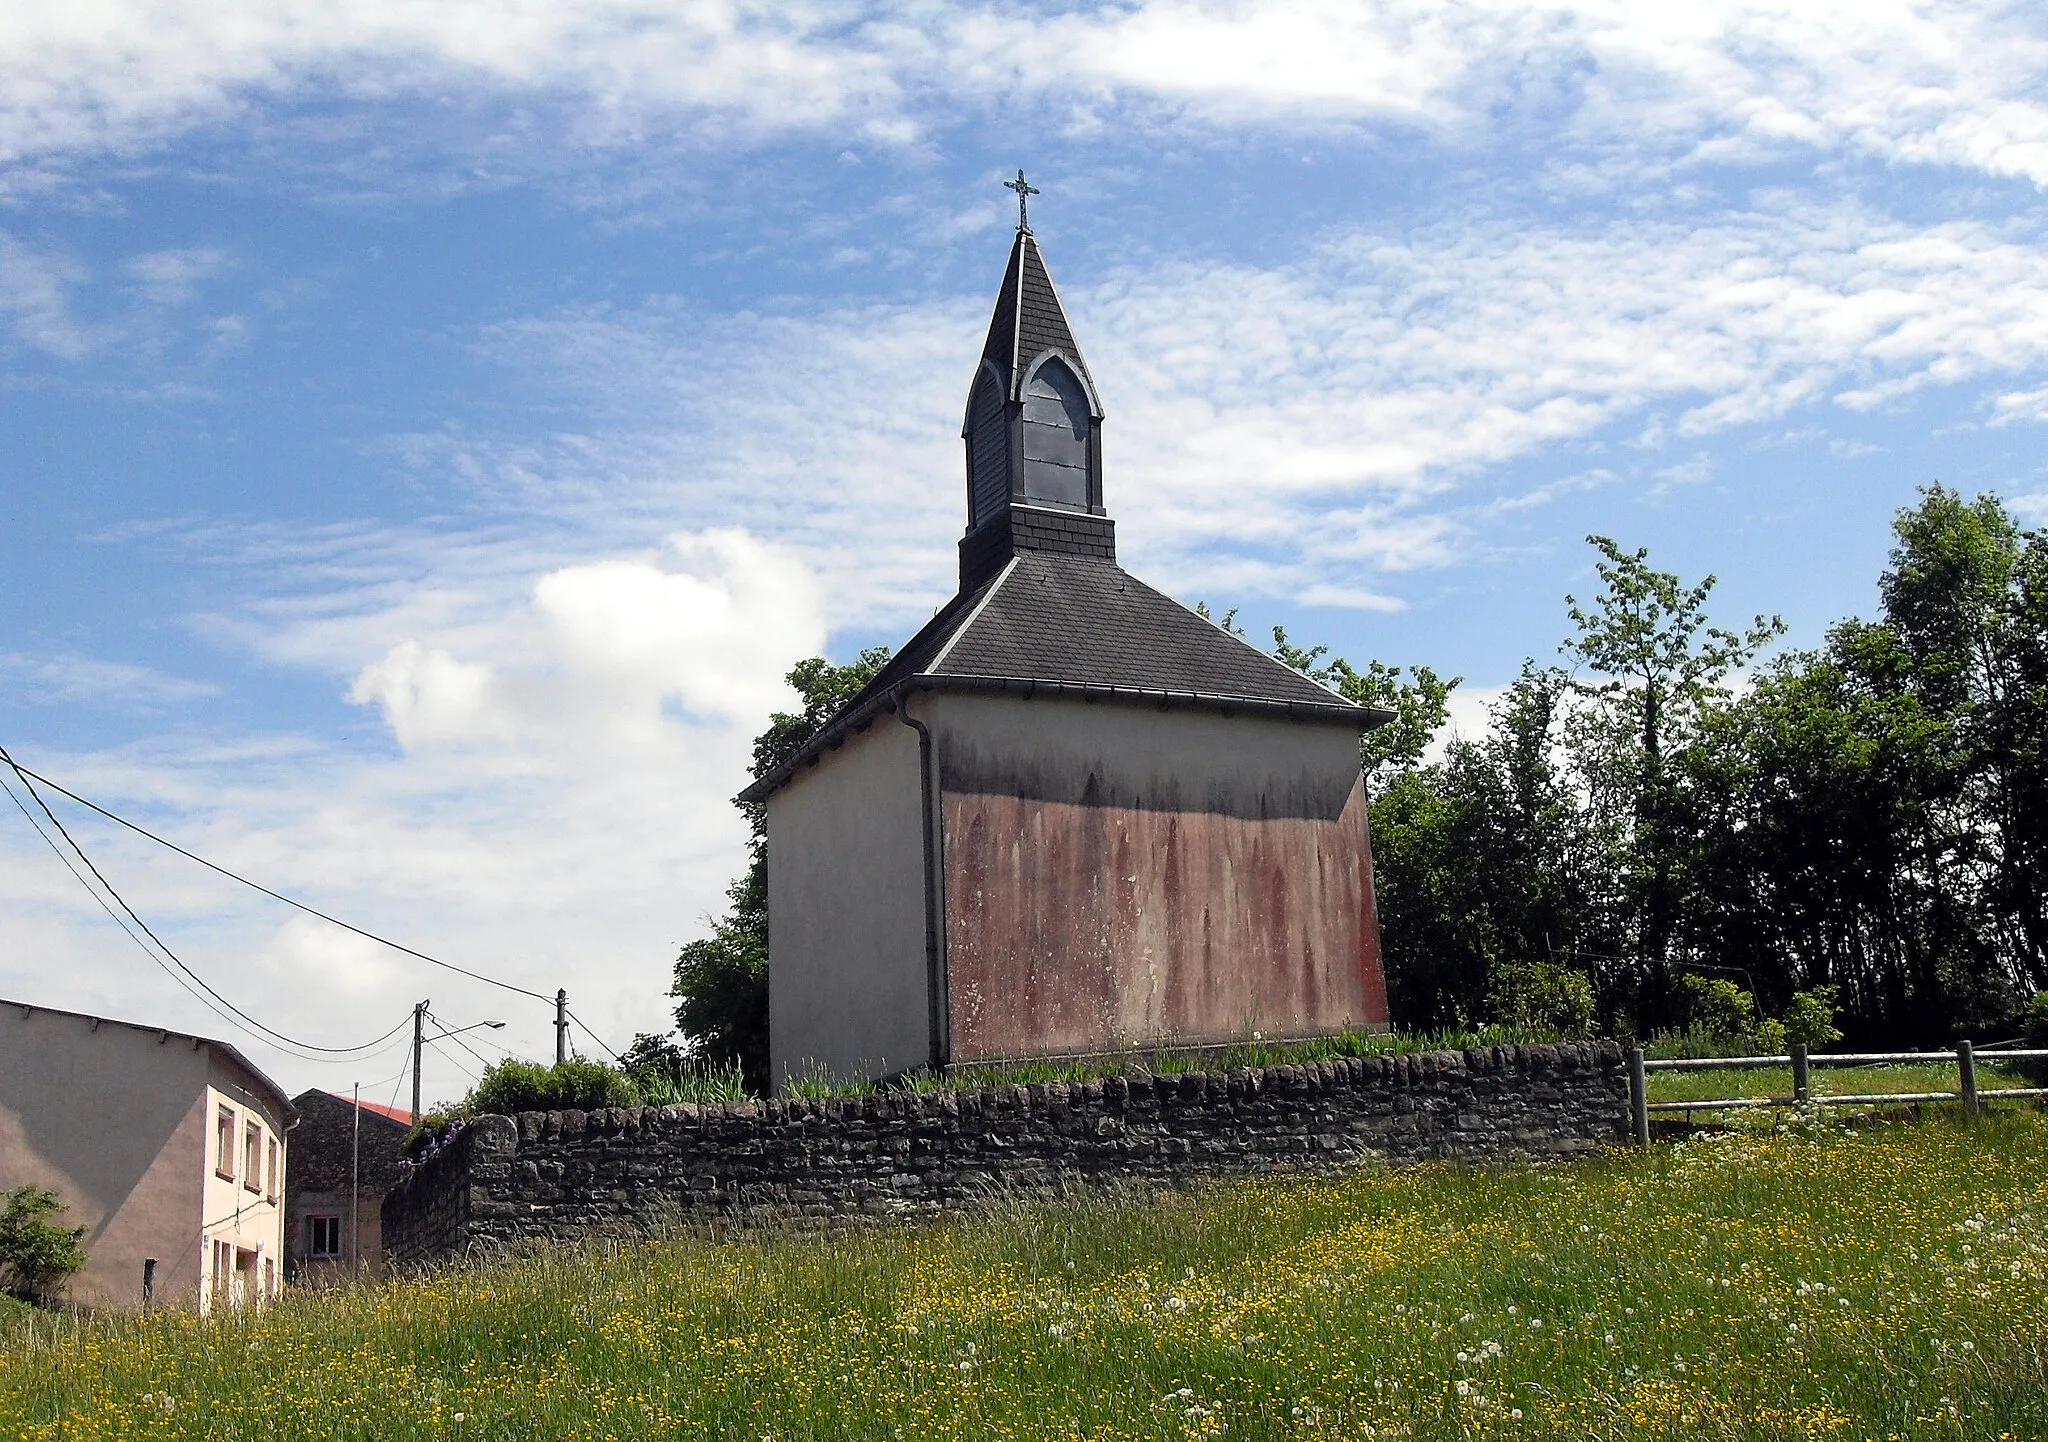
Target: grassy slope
[{"x": 1889, "y": 1284}]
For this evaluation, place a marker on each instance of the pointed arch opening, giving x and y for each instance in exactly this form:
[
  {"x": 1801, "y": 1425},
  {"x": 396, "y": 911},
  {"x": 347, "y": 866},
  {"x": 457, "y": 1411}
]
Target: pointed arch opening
[
  {"x": 1056, "y": 420},
  {"x": 988, "y": 450}
]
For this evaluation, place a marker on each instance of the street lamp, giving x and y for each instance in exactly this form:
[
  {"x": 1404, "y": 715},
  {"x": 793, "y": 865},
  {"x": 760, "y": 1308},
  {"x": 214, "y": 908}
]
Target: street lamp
[{"x": 419, "y": 1044}]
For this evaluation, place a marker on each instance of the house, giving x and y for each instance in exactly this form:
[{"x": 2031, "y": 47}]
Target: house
[
  {"x": 170, "y": 1149},
  {"x": 345, "y": 1157},
  {"x": 1071, "y": 815}
]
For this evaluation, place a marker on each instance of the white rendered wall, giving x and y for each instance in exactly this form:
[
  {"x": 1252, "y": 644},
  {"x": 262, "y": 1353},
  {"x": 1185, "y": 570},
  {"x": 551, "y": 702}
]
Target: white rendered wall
[
  {"x": 118, "y": 1121},
  {"x": 847, "y": 992}
]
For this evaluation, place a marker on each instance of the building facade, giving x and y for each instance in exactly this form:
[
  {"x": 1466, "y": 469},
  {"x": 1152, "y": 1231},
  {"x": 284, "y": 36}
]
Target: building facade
[
  {"x": 1070, "y": 816},
  {"x": 170, "y": 1149},
  {"x": 345, "y": 1157}
]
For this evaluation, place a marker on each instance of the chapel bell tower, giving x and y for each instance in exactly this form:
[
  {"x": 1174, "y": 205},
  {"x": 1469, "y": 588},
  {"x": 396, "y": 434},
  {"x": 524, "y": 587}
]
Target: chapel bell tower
[
  {"x": 1069, "y": 817},
  {"x": 1033, "y": 428}
]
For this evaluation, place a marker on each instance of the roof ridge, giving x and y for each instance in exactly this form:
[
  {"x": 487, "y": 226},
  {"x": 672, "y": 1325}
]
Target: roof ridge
[{"x": 974, "y": 614}]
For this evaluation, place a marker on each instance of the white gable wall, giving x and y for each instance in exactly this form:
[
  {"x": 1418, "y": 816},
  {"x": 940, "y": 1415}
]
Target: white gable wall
[{"x": 848, "y": 994}]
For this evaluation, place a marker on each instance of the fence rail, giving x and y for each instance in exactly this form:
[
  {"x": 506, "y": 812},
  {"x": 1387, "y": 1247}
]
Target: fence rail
[{"x": 1802, "y": 1062}]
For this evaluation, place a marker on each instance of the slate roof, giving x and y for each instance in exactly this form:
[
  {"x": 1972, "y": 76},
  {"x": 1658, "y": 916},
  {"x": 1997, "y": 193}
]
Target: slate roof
[
  {"x": 1053, "y": 623},
  {"x": 1028, "y": 319},
  {"x": 1056, "y": 624}
]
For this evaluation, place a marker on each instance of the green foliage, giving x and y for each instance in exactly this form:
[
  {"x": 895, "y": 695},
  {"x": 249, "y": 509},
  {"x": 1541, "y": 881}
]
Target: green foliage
[
  {"x": 1648, "y": 633},
  {"x": 512, "y": 1085},
  {"x": 2034, "y": 1023},
  {"x": 36, "y": 1255},
  {"x": 663, "y": 1074},
  {"x": 1420, "y": 707},
  {"x": 1490, "y": 859},
  {"x": 1870, "y": 816},
  {"x": 1541, "y": 996},
  {"x": 721, "y": 981},
  {"x": 1810, "y": 1018},
  {"x": 1718, "y": 1007}
]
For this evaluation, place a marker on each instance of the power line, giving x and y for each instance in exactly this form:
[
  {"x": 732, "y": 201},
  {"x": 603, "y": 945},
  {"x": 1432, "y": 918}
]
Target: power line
[
  {"x": 36, "y": 796},
  {"x": 211, "y": 999},
  {"x": 449, "y": 1033},
  {"x": 435, "y": 1041},
  {"x": 26, "y": 775},
  {"x": 595, "y": 1037}
]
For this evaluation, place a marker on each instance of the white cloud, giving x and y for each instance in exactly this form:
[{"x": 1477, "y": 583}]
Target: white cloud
[
  {"x": 35, "y": 299},
  {"x": 429, "y": 696},
  {"x": 49, "y": 679},
  {"x": 1297, "y": 431},
  {"x": 1949, "y": 84},
  {"x": 2028, "y": 405},
  {"x": 557, "y": 813},
  {"x": 171, "y": 277}
]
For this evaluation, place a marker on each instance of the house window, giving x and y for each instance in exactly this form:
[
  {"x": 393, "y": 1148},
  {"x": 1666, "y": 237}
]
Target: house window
[
  {"x": 272, "y": 1172},
  {"x": 252, "y": 1157},
  {"x": 270, "y": 1276},
  {"x": 224, "y": 1143},
  {"x": 323, "y": 1236}
]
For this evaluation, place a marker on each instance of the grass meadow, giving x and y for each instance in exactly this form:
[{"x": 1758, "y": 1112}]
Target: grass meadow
[{"x": 1886, "y": 1283}]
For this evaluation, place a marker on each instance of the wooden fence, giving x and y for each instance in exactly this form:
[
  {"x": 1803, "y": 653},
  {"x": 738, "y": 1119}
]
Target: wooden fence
[{"x": 1964, "y": 1058}]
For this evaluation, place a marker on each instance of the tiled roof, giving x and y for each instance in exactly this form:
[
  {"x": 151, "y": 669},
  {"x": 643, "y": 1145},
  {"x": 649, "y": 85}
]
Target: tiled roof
[
  {"x": 1051, "y": 617},
  {"x": 397, "y": 1114},
  {"x": 1070, "y": 624}
]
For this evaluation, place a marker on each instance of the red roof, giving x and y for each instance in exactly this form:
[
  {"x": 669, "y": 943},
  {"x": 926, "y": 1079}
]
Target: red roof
[{"x": 397, "y": 1114}]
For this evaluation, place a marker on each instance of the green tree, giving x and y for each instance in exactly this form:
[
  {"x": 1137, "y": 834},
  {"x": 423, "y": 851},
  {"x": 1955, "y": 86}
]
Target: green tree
[
  {"x": 721, "y": 980},
  {"x": 1868, "y": 815},
  {"x": 36, "y": 1255},
  {"x": 1420, "y": 706},
  {"x": 1666, "y": 666}
]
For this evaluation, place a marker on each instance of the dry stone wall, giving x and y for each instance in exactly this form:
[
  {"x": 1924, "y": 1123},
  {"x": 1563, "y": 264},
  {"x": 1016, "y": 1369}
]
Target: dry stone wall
[{"x": 570, "y": 1176}]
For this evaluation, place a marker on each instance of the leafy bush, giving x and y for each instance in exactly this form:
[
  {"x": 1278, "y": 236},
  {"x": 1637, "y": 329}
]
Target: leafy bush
[
  {"x": 1810, "y": 1019},
  {"x": 2034, "y": 1022},
  {"x": 2034, "y": 1037},
  {"x": 1541, "y": 996},
  {"x": 1718, "y": 1008},
  {"x": 512, "y": 1085},
  {"x": 1724, "y": 1022},
  {"x": 36, "y": 1255}
]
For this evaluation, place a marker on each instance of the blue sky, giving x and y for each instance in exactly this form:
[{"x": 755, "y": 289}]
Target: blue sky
[{"x": 430, "y": 432}]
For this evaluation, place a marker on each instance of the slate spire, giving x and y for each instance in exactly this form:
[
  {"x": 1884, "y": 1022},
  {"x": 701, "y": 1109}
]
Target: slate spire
[{"x": 1033, "y": 428}]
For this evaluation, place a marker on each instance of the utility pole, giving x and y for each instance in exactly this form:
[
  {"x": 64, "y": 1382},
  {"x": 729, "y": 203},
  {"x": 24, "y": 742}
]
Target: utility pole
[
  {"x": 561, "y": 1025},
  {"x": 355, "y": 1186},
  {"x": 419, "y": 1043}
]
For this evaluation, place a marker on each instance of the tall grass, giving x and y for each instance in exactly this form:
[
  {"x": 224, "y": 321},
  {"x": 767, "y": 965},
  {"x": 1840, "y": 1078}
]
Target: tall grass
[
  {"x": 1248, "y": 1051},
  {"x": 1887, "y": 1284}
]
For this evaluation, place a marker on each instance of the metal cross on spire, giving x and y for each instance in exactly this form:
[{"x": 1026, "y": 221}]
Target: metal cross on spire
[{"x": 1024, "y": 191}]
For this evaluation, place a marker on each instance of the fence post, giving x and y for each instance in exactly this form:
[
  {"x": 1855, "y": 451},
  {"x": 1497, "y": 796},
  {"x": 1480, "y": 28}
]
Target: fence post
[
  {"x": 1638, "y": 1098},
  {"x": 1802, "y": 1074},
  {"x": 1966, "y": 1063}
]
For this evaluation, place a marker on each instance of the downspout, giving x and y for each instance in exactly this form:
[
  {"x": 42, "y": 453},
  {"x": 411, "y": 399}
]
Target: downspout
[{"x": 934, "y": 855}]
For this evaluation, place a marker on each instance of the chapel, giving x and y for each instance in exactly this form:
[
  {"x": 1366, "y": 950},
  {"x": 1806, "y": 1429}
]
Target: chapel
[{"x": 1070, "y": 816}]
